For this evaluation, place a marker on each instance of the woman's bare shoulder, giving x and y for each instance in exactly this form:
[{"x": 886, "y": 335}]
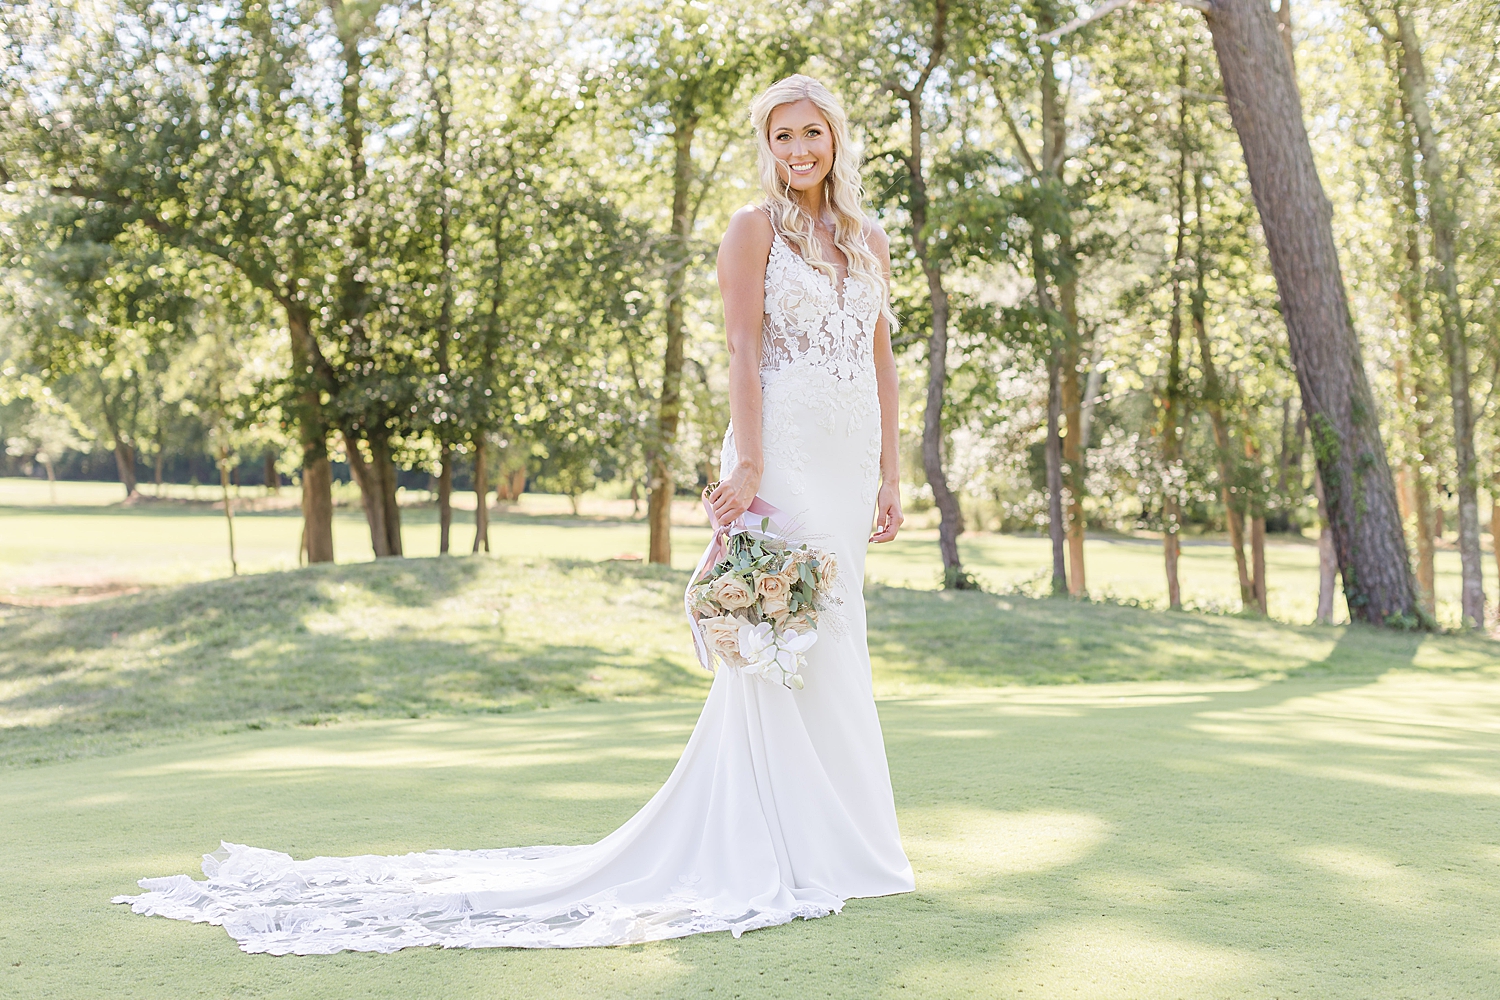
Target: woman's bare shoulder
[
  {"x": 749, "y": 229},
  {"x": 879, "y": 242}
]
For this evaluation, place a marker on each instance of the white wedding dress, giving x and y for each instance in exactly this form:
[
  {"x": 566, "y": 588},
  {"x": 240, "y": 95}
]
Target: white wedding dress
[{"x": 780, "y": 806}]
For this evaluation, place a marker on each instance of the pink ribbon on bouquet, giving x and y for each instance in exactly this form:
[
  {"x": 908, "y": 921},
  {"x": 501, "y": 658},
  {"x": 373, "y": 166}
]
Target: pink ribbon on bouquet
[{"x": 717, "y": 546}]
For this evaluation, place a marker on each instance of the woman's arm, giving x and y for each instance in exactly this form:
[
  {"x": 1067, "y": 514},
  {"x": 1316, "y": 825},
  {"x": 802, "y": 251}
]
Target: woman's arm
[
  {"x": 888, "y": 516},
  {"x": 742, "y": 286}
]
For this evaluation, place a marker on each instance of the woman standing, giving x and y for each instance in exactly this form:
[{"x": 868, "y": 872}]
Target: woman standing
[{"x": 781, "y": 804}]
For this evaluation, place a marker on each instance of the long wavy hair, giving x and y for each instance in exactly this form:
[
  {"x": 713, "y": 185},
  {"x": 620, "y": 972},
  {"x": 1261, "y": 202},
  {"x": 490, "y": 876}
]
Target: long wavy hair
[{"x": 843, "y": 191}]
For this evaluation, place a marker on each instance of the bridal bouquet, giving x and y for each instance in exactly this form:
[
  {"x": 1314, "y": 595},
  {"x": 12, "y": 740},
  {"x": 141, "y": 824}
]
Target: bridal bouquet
[{"x": 756, "y": 606}]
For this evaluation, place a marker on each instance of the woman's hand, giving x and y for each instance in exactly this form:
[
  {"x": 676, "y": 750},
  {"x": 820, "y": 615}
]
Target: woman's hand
[
  {"x": 888, "y": 515},
  {"x": 734, "y": 495}
]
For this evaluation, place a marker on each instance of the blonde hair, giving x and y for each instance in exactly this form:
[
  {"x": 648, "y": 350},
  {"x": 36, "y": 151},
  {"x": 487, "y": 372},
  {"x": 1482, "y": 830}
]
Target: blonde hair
[{"x": 843, "y": 191}]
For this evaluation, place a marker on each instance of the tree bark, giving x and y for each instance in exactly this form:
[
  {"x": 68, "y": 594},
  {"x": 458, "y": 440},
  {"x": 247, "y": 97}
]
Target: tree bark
[
  {"x": 383, "y": 469},
  {"x": 271, "y": 476},
  {"x": 1258, "y": 562},
  {"x": 1073, "y": 444},
  {"x": 445, "y": 497},
  {"x": 1327, "y": 563},
  {"x": 1297, "y": 219},
  {"x": 1409, "y": 294},
  {"x": 951, "y": 519},
  {"x": 1494, "y": 510},
  {"x": 312, "y": 432},
  {"x": 1171, "y": 402},
  {"x": 1054, "y": 153},
  {"x": 445, "y": 312},
  {"x": 659, "y": 457},
  {"x": 1256, "y": 513},
  {"x": 481, "y": 496},
  {"x": 234, "y": 565},
  {"x": 368, "y": 481},
  {"x": 1443, "y": 221},
  {"x": 1213, "y": 400},
  {"x": 1055, "y": 525},
  {"x": 125, "y": 465}
]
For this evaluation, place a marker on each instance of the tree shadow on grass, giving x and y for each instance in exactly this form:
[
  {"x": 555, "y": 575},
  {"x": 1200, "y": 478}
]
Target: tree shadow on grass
[
  {"x": 968, "y": 638},
  {"x": 392, "y": 638},
  {"x": 1244, "y": 843}
]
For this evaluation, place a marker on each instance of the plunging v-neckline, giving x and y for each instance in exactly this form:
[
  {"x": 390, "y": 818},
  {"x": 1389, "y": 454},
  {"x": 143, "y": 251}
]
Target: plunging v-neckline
[{"x": 838, "y": 288}]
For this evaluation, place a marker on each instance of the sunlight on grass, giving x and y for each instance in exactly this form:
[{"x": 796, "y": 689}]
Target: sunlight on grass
[
  {"x": 1128, "y": 848},
  {"x": 954, "y": 845},
  {"x": 1111, "y": 961}
]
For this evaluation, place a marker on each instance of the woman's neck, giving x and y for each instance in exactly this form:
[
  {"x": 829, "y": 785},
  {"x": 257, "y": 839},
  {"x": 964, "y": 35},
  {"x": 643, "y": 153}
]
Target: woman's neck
[{"x": 812, "y": 202}]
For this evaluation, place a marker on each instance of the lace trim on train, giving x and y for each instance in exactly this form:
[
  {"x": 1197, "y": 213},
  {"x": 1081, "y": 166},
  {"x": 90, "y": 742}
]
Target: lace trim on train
[{"x": 270, "y": 903}]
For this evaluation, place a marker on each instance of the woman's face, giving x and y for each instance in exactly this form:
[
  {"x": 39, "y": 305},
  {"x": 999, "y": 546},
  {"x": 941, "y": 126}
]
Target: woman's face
[{"x": 802, "y": 143}]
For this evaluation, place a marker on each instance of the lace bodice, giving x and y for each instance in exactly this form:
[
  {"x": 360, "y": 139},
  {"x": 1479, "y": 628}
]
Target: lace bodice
[
  {"x": 817, "y": 369},
  {"x": 810, "y": 322}
]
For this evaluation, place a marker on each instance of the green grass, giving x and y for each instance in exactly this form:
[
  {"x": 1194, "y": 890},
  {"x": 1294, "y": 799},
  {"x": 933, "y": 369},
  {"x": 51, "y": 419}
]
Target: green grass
[
  {"x": 1100, "y": 800},
  {"x": 1328, "y": 837},
  {"x": 419, "y": 637}
]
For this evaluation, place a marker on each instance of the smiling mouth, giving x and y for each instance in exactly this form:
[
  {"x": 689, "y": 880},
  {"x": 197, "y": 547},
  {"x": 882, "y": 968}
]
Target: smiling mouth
[{"x": 801, "y": 168}]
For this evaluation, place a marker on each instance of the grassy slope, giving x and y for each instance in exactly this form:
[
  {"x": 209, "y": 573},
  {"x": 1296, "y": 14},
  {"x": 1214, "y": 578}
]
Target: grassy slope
[
  {"x": 426, "y": 636},
  {"x": 46, "y": 550}
]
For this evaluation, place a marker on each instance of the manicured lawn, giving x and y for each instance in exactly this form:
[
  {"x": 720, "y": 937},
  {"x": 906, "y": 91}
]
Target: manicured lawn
[
  {"x": 1329, "y": 837},
  {"x": 1100, "y": 800}
]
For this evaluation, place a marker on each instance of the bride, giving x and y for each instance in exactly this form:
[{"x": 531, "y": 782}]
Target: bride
[{"x": 781, "y": 805}]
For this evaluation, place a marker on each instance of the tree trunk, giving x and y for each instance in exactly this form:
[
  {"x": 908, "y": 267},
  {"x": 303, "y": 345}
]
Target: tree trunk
[
  {"x": 158, "y": 470},
  {"x": 1171, "y": 403},
  {"x": 48, "y": 464},
  {"x": 659, "y": 455},
  {"x": 1213, "y": 400},
  {"x": 1297, "y": 219},
  {"x": 271, "y": 476},
  {"x": 1443, "y": 221},
  {"x": 368, "y": 481},
  {"x": 445, "y": 497},
  {"x": 234, "y": 566},
  {"x": 1409, "y": 294},
  {"x": 125, "y": 465},
  {"x": 1258, "y": 561},
  {"x": 1494, "y": 511},
  {"x": 1073, "y": 444},
  {"x": 384, "y": 472},
  {"x": 443, "y": 104},
  {"x": 312, "y": 431},
  {"x": 481, "y": 496},
  {"x": 1055, "y": 523},
  {"x": 951, "y": 519},
  {"x": 1327, "y": 564},
  {"x": 1256, "y": 513},
  {"x": 1426, "y": 551}
]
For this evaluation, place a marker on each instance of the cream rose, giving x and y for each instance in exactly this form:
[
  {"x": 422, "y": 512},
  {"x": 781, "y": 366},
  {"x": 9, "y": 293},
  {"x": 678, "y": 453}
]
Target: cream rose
[
  {"x": 828, "y": 571},
  {"x": 732, "y": 592},
  {"x": 774, "y": 607},
  {"x": 773, "y": 587},
  {"x": 703, "y": 605},
  {"x": 723, "y": 635}
]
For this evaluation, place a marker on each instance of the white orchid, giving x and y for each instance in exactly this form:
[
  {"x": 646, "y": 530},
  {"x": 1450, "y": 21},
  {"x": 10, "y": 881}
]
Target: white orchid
[{"x": 773, "y": 656}]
